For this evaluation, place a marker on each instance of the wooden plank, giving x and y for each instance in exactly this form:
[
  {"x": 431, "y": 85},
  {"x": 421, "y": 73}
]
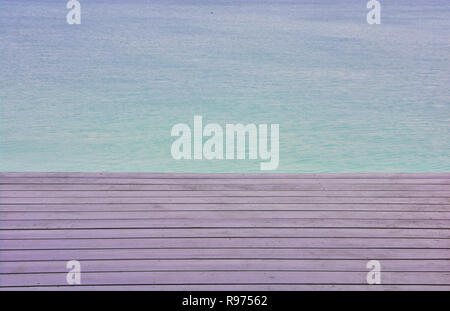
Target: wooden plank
[
  {"x": 222, "y": 175},
  {"x": 224, "y": 242},
  {"x": 386, "y": 233},
  {"x": 28, "y": 215},
  {"x": 248, "y": 180},
  {"x": 226, "y": 200},
  {"x": 230, "y": 277},
  {"x": 224, "y": 265},
  {"x": 217, "y": 223},
  {"x": 378, "y": 207},
  {"x": 226, "y": 187},
  {"x": 208, "y": 193},
  {"x": 240, "y": 287},
  {"x": 225, "y": 253}
]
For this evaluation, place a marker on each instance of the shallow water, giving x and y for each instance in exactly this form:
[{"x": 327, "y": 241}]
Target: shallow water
[{"x": 104, "y": 95}]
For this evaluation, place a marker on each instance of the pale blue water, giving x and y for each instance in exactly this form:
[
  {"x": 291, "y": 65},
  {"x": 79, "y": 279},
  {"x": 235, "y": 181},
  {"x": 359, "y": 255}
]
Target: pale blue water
[{"x": 104, "y": 95}]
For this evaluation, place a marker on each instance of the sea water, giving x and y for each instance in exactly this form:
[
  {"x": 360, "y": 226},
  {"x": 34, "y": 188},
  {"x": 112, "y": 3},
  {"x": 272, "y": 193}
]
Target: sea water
[{"x": 104, "y": 95}]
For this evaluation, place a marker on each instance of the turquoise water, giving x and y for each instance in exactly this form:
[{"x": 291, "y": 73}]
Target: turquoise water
[{"x": 104, "y": 95}]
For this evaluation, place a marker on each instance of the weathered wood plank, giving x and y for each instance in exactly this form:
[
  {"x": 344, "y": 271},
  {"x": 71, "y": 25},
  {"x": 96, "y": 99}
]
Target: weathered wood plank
[
  {"x": 386, "y": 233},
  {"x": 379, "y": 207},
  {"x": 226, "y": 187},
  {"x": 240, "y": 287},
  {"x": 248, "y": 180},
  {"x": 226, "y": 253},
  {"x": 225, "y": 265},
  {"x": 224, "y": 242},
  {"x": 211, "y": 193},
  {"x": 29, "y": 215},
  {"x": 217, "y": 223},
  {"x": 230, "y": 277},
  {"x": 222, "y": 175},
  {"x": 220, "y": 199}
]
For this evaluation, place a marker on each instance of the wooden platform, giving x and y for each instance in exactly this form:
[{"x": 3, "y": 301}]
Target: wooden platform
[{"x": 224, "y": 231}]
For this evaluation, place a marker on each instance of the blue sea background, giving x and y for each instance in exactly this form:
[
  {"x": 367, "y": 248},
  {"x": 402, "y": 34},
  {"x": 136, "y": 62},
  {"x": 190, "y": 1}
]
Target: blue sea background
[{"x": 104, "y": 95}]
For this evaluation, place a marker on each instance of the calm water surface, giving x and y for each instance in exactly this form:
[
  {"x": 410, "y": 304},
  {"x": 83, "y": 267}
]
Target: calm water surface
[{"x": 104, "y": 95}]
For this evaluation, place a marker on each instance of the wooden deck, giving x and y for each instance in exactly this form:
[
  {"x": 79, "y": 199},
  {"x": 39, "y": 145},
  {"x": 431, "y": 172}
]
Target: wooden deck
[{"x": 224, "y": 231}]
